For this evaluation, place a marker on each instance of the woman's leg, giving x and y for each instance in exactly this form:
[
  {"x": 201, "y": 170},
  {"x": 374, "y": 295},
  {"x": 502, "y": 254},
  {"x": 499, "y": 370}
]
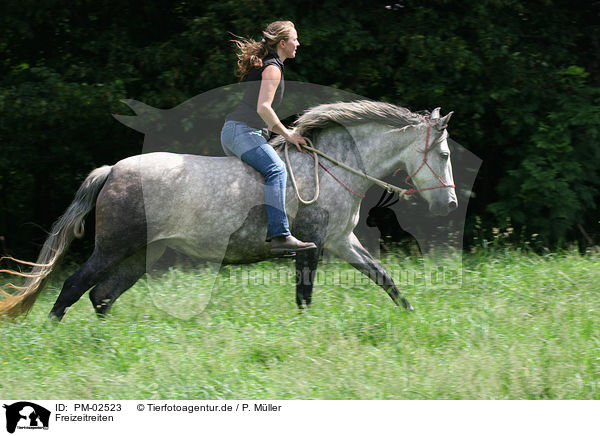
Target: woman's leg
[
  {"x": 250, "y": 146},
  {"x": 264, "y": 159}
]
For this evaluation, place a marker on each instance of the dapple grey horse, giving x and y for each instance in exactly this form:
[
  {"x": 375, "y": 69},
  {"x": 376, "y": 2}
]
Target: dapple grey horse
[{"x": 212, "y": 208}]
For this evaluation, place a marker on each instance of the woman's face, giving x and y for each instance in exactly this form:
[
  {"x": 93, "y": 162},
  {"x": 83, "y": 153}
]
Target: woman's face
[{"x": 290, "y": 45}]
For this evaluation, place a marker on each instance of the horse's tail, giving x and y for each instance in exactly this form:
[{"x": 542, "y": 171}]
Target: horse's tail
[{"x": 69, "y": 226}]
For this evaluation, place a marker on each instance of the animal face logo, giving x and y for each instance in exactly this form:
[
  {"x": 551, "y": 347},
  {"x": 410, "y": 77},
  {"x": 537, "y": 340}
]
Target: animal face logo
[{"x": 25, "y": 415}]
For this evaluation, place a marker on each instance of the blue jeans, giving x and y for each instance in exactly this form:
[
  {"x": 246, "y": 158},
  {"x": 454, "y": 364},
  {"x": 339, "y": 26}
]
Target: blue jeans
[{"x": 239, "y": 139}]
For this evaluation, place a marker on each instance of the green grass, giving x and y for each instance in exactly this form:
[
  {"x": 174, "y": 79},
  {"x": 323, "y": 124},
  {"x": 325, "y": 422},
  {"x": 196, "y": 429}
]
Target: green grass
[{"x": 521, "y": 326}]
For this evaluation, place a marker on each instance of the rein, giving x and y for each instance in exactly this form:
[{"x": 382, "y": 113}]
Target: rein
[
  {"x": 402, "y": 193},
  {"x": 315, "y": 153}
]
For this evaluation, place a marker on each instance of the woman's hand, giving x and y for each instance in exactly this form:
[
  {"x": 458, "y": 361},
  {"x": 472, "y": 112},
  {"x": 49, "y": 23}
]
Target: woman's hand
[{"x": 296, "y": 139}]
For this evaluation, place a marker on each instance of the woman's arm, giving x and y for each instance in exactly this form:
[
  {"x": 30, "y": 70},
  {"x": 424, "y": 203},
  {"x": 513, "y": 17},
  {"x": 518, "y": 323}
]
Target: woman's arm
[{"x": 271, "y": 76}]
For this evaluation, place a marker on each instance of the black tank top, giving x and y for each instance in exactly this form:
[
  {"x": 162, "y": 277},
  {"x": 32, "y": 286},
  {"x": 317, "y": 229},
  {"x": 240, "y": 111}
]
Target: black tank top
[{"x": 246, "y": 109}]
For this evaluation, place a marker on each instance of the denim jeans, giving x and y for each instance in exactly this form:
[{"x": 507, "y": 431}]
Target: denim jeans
[{"x": 239, "y": 139}]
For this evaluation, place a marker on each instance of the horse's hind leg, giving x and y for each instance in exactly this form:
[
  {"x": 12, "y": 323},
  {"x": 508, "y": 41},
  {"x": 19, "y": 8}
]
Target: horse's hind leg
[
  {"x": 118, "y": 280},
  {"x": 356, "y": 255},
  {"x": 122, "y": 277},
  {"x": 75, "y": 286},
  {"x": 121, "y": 230}
]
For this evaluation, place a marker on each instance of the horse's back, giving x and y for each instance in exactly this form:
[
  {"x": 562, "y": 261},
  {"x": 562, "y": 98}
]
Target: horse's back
[
  {"x": 188, "y": 170},
  {"x": 195, "y": 202}
]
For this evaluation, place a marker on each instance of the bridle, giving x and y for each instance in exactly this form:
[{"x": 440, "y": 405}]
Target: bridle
[{"x": 409, "y": 178}]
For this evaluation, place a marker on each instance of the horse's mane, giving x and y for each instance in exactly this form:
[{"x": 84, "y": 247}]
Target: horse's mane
[{"x": 355, "y": 112}]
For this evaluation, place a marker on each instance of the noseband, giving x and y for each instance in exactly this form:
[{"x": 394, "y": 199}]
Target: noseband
[{"x": 409, "y": 178}]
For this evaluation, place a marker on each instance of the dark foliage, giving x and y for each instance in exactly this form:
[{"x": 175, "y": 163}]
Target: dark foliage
[{"x": 521, "y": 76}]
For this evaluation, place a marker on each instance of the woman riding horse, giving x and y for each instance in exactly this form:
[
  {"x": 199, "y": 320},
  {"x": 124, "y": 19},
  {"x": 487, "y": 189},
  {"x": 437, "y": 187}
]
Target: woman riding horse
[{"x": 260, "y": 64}]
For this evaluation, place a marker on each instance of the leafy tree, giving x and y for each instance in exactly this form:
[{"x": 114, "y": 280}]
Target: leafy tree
[{"x": 521, "y": 76}]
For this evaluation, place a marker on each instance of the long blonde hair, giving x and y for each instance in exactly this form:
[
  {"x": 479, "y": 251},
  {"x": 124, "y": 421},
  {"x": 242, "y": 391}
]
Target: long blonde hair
[{"x": 251, "y": 53}]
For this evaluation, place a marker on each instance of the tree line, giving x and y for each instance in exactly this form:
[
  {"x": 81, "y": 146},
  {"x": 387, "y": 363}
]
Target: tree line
[{"x": 522, "y": 78}]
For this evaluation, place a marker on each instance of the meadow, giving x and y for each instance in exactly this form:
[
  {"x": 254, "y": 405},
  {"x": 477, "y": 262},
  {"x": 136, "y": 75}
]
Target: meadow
[{"x": 519, "y": 326}]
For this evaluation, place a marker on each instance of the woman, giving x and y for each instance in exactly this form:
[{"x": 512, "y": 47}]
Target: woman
[{"x": 260, "y": 64}]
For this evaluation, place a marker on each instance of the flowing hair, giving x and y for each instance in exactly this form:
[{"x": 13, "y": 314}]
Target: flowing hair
[{"x": 250, "y": 53}]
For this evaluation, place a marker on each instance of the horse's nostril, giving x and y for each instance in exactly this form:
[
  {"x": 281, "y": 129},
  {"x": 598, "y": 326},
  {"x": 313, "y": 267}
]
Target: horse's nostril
[{"x": 452, "y": 206}]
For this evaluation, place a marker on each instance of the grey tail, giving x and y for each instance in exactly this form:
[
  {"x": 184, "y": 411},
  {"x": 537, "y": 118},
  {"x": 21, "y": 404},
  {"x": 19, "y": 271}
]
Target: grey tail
[{"x": 68, "y": 227}]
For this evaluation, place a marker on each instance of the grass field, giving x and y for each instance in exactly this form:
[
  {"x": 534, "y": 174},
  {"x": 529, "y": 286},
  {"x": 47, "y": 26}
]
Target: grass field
[{"x": 521, "y": 326}]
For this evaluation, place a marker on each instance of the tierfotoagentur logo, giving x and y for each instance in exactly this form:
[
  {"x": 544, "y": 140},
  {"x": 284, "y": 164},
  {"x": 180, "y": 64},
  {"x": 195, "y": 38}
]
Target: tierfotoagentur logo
[{"x": 26, "y": 416}]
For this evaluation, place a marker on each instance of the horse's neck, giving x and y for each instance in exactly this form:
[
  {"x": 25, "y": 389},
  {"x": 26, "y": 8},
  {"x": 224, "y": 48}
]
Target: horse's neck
[{"x": 339, "y": 143}]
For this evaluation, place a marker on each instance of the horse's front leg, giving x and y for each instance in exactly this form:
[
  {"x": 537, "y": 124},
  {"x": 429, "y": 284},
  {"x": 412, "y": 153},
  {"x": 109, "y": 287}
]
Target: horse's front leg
[{"x": 351, "y": 250}]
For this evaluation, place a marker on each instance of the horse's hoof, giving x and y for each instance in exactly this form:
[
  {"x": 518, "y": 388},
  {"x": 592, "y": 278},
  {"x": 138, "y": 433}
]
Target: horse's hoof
[
  {"x": 54, "y": 318},
  {"x": 407, "y": 305}
]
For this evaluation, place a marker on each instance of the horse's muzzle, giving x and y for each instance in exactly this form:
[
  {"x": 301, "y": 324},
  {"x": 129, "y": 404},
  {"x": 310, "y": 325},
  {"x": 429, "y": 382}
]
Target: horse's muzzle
[{"x": 443, "y": 209}]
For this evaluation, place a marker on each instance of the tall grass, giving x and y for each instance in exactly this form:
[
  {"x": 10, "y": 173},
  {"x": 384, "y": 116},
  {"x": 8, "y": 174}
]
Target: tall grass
[{"x": 520, "y": 326}]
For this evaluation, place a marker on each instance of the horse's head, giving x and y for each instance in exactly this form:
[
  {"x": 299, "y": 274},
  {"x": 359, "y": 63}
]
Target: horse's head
[{"x": 429, "y": 166}]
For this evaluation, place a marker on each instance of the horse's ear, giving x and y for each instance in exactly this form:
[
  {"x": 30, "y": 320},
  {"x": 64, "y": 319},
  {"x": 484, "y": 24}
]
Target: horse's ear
[
  {"x": 443, "y": 122},
  {"x": 436, "y": 113}
]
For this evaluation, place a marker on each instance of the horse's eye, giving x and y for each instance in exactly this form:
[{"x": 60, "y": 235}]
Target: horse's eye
[{"x": 445, "y": 155}]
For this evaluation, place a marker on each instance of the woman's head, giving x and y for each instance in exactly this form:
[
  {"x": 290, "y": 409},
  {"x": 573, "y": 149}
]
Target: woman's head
[{"x": 278, "y": 36}]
